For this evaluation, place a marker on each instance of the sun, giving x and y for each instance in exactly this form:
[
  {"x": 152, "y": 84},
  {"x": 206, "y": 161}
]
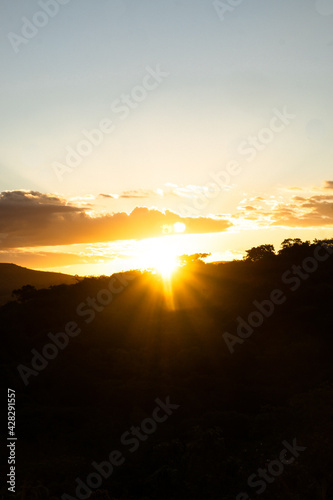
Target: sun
[
  {"x": 160, "y": 255},
  {"x": 179, "y": 227},
  {"x": 165, "y": 264}
]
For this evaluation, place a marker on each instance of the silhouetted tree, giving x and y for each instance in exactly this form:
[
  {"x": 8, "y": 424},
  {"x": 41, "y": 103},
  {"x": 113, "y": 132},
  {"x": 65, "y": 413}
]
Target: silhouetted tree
[
  {"x": 25, "y": 293},
  {"x": 290, "y": 242},
  {"x": 258, "y": 253},
  {"x": 193, "y": 258},
  {"x": 294, "y": 248},
  {"x": 235, "y": 410},
  {"x": 328, "y": 243}
]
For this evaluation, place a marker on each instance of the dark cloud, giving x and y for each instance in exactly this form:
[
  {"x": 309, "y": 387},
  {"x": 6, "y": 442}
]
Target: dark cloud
[
  {"x": 30, "y": 197},
  {"x": 29, "y": 219},
  {"x": 328, "y": 185}
]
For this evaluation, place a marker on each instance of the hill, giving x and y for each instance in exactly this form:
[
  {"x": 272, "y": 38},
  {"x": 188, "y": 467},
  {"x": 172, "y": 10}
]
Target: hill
[
  {"x": 13, "y": 277},
  {"x": 239, "y": 355}
]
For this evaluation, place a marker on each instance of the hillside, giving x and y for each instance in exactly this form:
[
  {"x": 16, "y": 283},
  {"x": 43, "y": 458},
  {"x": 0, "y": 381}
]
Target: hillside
[
  {"x": 242, "y": 352},
  {"x": 13, "y": 277}
]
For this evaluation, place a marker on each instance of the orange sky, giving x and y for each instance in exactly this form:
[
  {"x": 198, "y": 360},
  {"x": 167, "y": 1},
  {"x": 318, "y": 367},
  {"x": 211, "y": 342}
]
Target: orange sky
[
  {"x": 83, "y": 236},
  {"x": 122, "y": 120}
]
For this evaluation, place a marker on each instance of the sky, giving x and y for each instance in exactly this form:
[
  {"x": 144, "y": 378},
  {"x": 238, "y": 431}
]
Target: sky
[{"x": 131, "y": 128}]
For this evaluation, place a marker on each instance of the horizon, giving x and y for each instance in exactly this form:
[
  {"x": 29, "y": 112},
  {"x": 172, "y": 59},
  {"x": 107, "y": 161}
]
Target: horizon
[
  {"x": 165, "y": 140},
  {"x": 173, "y": 161}
]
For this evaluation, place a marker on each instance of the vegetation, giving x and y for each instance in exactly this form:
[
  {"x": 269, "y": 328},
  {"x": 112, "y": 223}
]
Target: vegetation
[
  {"x": 15, "y": 277},
  {"x": 235, "y": 409},
  {"x": 259, "y": 253}
]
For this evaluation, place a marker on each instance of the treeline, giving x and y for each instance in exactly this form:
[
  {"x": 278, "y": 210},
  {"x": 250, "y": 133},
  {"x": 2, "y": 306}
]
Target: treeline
[
  {"x": 291, "y": 248},
  {"x": 235, "y": 410}
]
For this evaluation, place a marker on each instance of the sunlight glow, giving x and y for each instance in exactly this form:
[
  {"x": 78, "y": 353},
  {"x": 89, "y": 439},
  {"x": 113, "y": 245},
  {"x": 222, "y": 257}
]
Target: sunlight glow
[
  {"x": 165, "y": 264},
  {"x": 179, "y": 227},
  {"x": 160, "y": 254}
]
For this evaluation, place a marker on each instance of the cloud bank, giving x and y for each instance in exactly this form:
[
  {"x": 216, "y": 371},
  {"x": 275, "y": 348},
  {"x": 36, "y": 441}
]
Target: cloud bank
[
  {"x": 31, "y": 218},
  {"x": 313, "y": 210}
]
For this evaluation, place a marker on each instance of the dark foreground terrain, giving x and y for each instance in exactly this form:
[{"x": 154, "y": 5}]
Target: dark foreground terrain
[
  {"x": 124, "y": 391},
  {"x": 14, "y": 277}
]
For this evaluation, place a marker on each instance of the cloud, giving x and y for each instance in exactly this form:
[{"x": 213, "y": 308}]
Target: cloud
[
  {"x": 30, "y": 218},
  {"x": 137, "y": 193},
  {"x": 295, "y": 188},
  {"x": 29, "y": 197},
  {"x": 107, "y": 196},
  {"x": 298, "y": 211},
  {"x": 328, "y": 185},
  {"x": 188, "y": 191},
  {"x": 249, "y": 207}
]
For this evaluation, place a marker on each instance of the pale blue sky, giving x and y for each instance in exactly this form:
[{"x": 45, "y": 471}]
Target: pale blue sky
[{"x": 225, "y": 78}]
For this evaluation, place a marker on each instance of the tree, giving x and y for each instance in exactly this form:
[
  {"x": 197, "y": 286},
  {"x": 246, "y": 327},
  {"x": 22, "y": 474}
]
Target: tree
[
  {"x": 25, "y": 293},
  {"x": 258, "y": 253},
  {"x": 194, "y": 258},
  {"x": 326, "y": 243},
  {"x": 294, "y": 247},
  {"x": 290, "y": 242}
]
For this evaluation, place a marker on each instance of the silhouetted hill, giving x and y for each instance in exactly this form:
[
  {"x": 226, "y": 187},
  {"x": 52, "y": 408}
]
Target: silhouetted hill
[
  {"x": 88, "y": 362},
  {"x": 13, "y": 277}
]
